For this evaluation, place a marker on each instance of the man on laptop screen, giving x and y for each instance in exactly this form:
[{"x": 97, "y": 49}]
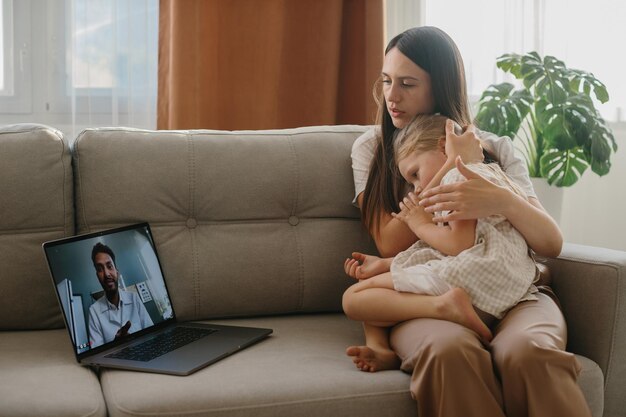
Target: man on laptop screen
[
  {"x": 118, "y": 312},
  {"x": 113, "y": 286}
]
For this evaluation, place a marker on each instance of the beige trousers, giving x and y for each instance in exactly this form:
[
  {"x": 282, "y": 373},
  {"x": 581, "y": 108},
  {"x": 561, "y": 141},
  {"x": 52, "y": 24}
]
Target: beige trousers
[{"x": 524, "y": 372}]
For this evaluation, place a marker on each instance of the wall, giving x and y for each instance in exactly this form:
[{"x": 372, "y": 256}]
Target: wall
[{"x": 594, "y": 209}]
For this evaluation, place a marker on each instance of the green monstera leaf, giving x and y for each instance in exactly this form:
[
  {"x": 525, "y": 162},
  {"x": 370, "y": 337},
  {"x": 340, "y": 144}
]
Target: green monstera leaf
[
  {"x": 569, "y": 124},
  {"x": 602, "y": 145},
  {"x": 547, "y": 76},
  {"x": 511, "y": 63},
  {"x": 563, "y": 167},
  {"x": 502, "y": 109},
  {"x": 585, "y": 82}
]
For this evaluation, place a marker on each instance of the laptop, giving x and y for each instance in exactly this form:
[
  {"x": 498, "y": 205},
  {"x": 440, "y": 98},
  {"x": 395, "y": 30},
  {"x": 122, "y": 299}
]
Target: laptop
[{"x": 118, "y": 311}]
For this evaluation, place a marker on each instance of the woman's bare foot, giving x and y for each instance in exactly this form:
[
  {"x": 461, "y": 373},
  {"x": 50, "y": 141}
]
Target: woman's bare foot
[
  {"x": 368, "y": 359},
  {"x": 458, "y": 308}
]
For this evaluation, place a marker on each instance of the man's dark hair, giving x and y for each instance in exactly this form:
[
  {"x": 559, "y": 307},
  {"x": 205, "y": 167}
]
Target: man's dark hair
[{"x": 101, "y": 248}]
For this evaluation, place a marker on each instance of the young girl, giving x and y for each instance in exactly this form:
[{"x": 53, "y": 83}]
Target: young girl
[{"x": 456, "y": 267}]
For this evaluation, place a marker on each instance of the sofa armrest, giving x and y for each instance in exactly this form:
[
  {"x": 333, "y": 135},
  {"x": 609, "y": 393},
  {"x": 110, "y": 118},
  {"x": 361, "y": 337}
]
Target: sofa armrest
[{"x": 590, "y": 283}]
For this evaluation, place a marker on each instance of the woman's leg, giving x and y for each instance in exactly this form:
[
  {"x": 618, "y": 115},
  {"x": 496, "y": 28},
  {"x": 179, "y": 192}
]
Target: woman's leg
[
  {"x": 538, "y": 376},
  {"x": 452, "y": 371}
]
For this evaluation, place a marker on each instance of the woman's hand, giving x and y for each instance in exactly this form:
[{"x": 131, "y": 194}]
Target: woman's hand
[
  {"x": 465, "y": 144},
  {"x": 362, "y": 266},
  {"x": 472, "y": 199}
]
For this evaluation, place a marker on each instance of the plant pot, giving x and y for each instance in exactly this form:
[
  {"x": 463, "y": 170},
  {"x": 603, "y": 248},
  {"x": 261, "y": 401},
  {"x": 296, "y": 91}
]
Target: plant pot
[{"x": 550, "y": 197}]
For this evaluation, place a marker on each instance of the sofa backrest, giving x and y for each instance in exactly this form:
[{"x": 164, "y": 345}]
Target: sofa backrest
[
  {"x": 36, "y": 204},
  {"x": 245, "y": 223}
]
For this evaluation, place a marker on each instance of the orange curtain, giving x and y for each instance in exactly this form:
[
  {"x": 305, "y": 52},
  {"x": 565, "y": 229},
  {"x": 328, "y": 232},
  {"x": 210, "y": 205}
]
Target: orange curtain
[{"x": 268, "y": 64}]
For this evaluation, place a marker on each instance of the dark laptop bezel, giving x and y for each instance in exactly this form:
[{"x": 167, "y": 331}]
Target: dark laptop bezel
[{"x": 131, "y": 337}]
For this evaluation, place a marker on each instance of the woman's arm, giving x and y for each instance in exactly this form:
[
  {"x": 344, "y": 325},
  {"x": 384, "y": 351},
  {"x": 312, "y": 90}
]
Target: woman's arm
[
  {"x": 478, "y": 197},
  {"x": 393, "y": 235},
  {"x": 541, "y": 232}
]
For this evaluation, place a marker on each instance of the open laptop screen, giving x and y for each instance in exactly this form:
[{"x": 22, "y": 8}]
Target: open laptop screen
[{"x": 109, "y": 285}]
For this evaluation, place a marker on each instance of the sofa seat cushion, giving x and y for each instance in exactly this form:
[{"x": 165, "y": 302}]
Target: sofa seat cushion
[
  {"x": 301, "y": 370},
  {"x": 39, "y": 376}
]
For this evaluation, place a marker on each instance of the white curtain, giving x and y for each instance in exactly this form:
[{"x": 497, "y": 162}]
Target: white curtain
[{"x": 112, "y": 62}]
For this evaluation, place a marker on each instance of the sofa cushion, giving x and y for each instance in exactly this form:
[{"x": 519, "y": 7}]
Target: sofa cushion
[
  {"x": 301, "y": 370},
  {"x": 246, "y": 223},
  {"x": 36, "y": 205},
  {"x": 591, "y": 381},
  {"x": 39, "y": 376}
]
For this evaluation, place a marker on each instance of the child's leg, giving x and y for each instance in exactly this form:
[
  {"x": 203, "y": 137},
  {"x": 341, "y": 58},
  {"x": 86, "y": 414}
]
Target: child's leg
[
  {"x": 376, "y": 355},
  {"x": 375, "y": 301}
]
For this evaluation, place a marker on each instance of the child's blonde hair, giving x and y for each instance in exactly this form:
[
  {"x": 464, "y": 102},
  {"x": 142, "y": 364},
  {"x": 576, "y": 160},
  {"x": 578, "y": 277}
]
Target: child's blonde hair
[{"x": 422, "y": 134}]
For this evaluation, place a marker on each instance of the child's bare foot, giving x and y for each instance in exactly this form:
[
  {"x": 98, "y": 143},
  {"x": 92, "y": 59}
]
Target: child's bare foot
[
  {"x": 368, "y": 359},
  {"x": 459, "y": 308}
]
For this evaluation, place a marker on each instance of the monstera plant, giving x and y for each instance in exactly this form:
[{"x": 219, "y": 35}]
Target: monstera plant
[{"x": 553, "y": 115}]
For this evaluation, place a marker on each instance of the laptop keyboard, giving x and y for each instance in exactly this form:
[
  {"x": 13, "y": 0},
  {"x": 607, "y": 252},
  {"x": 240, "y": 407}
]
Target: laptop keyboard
[{"x": 163, "y": 343}]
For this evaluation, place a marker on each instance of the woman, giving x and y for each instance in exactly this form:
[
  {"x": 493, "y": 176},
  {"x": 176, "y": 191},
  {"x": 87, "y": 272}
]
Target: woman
[{"x": 525, "y": 371}]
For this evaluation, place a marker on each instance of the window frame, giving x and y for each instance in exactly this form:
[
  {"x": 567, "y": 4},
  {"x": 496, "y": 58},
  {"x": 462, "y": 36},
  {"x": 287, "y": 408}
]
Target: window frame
[
  {"x": 6, "y": 31},
  {"x": 15, "y": 98}
]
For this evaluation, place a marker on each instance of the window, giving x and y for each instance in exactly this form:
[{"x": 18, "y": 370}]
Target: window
[
  {"x": 14, "y": 55},
  {"x": 6, "y": 47},
  {"x": 4, "y": 27},
  {"x": 73, "y": 64}
]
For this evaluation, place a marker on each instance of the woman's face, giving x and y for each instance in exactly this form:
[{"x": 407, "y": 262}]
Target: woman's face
[{"x": 406, "y": 88}]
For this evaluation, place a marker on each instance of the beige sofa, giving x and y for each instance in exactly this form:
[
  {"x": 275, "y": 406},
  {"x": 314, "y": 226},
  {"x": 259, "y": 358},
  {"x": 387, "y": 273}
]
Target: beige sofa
[{"x": 252, "y": 228}]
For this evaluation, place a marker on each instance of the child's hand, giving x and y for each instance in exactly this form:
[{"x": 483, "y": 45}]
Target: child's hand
[
  {"x": 411, "y": 212},
  {"x": 362, "y": 266}
]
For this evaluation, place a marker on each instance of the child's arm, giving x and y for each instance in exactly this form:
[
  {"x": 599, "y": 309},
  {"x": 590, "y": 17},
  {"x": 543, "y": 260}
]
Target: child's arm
[{"x": 450, "y": 239}]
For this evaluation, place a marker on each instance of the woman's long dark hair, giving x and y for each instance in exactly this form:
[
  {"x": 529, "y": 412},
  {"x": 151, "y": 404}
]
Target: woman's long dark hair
[{"x": 435, "y": 52}]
